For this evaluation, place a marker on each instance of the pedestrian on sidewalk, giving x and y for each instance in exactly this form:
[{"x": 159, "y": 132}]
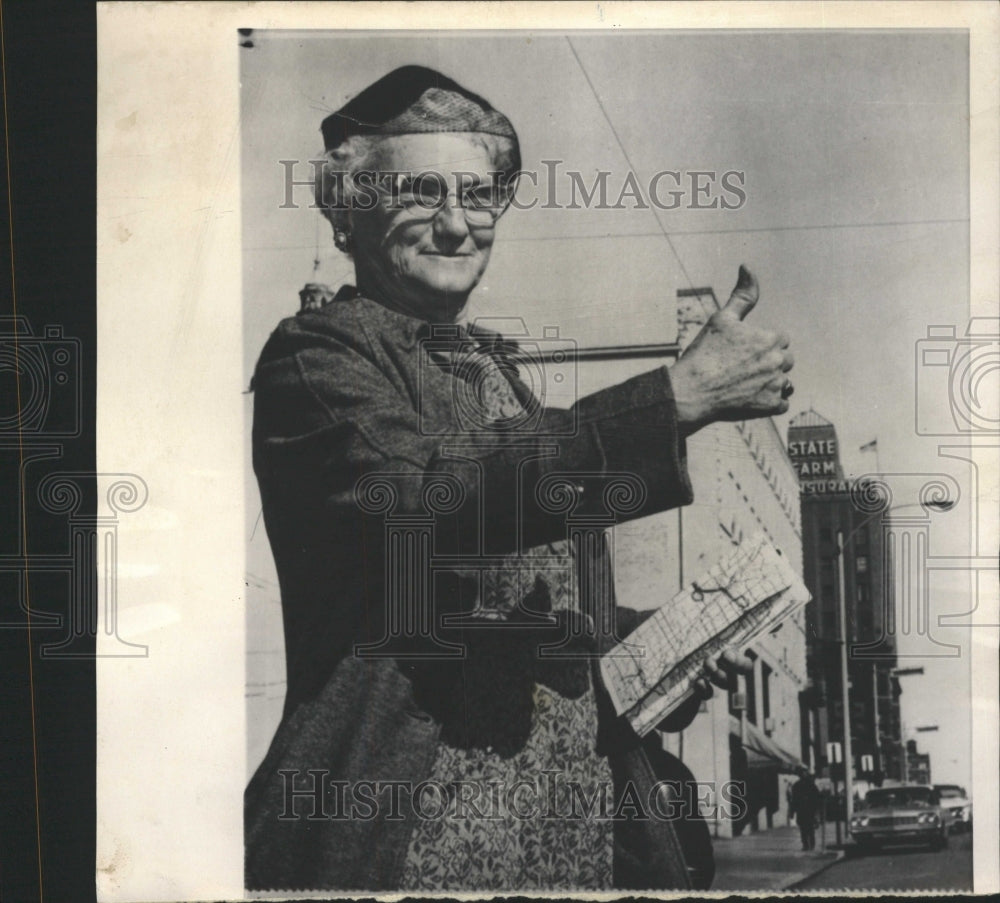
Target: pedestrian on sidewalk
[{"x": 805, "y": 805}]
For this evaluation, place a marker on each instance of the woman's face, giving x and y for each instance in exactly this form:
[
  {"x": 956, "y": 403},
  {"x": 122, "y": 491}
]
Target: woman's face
[{"x": 424, "y": 261}]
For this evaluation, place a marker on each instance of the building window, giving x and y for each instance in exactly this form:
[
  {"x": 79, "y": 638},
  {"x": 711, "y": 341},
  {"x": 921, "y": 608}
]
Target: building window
[
  {"x": 734, "y": 686},
  {"x": 751, "y": 684},
  {"x": 765, "y": 688},
  {"x": 861, "y": 564}
]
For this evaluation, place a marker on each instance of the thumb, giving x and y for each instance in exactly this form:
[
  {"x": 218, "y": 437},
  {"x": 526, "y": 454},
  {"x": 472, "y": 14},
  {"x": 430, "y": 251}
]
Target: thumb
[{"x": 745, "y": 295}]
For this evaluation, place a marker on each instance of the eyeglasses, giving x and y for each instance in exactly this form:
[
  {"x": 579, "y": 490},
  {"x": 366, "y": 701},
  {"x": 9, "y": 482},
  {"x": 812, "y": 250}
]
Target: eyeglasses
[{"x": 427, "y": 194}]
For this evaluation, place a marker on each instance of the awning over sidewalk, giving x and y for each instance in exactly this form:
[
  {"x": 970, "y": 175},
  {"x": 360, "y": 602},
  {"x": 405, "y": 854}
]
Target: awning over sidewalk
[{"x": 762, "y": 751}]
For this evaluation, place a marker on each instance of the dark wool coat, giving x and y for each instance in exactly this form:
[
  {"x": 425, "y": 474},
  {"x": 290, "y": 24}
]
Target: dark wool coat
[{"x": 348, "y": 392}]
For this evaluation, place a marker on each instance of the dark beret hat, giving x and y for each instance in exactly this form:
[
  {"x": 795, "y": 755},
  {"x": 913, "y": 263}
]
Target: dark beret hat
[{"x": 413, "y": 100}]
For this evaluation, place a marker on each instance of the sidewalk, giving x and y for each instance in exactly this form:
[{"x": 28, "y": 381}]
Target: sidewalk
[{"x": 770, "y": 860}]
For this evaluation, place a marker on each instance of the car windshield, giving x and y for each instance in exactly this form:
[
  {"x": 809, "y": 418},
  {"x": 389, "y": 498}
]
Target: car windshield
[
  {"x": 950, "y": 793},
  {"x": 900, "y": 798}
]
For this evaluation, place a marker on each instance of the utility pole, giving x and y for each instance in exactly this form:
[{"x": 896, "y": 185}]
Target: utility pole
[
  {"x": 848, "y": 754},
  {"x": 904, "y": 760},
  {"x": 877, "y": 763}
]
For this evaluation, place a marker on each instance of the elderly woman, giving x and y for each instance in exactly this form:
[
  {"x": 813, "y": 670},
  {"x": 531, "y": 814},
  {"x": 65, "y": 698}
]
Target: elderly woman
[{"x": 428, "y": 741}]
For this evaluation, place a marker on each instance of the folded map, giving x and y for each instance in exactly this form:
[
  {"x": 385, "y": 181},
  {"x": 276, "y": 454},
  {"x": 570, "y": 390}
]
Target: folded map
[{"x": 749, "y": 591}]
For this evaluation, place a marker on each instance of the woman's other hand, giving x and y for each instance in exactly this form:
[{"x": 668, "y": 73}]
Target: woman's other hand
[
  {"x": 719, "y": 669},
  {"x": 716, "y": 671},
  {"x": 732, "y": 370}
]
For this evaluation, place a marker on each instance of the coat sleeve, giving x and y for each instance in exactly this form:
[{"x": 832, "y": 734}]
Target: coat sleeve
[{"x": 329, "y": 411}]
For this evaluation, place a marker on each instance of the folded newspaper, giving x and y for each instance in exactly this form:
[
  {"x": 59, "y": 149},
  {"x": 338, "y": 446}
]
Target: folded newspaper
[{"x": 652, "y": 670}]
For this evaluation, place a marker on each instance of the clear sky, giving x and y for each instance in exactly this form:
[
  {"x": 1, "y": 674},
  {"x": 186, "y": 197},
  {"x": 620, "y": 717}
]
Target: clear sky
[{"x": 854, "y": 155}]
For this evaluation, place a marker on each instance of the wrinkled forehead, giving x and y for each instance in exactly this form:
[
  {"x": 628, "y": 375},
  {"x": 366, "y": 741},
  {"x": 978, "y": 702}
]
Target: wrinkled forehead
[{"x": 444, "y": 153}]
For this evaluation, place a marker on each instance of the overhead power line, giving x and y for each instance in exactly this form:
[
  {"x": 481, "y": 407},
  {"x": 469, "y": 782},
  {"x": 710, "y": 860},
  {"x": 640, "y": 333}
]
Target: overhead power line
[
  {"x": 604, "y": 236},
  {"x": 628, "y": 159}
]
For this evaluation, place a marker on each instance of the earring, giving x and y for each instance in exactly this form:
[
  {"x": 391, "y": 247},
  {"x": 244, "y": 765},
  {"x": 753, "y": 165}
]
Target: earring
[{"x": 342, "y": 240}]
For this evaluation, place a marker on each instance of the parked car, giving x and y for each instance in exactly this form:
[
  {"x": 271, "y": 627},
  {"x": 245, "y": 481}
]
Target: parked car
[
  {"x": 957, "y": 806},
  {"x": 911, "y": 813}
]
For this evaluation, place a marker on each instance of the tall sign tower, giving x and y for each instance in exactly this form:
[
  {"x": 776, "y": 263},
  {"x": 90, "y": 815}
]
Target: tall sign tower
[{"x": 827, "y": 508}]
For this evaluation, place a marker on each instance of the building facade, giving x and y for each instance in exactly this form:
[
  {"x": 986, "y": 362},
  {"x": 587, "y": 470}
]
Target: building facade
[
  {"x": 832, "y": 516},
  {"x": 918, "y": 764},
  {"x": 744, "y": 483}
]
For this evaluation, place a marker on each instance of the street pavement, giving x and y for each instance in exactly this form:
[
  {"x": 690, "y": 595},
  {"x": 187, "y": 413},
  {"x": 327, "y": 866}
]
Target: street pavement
[
  {"x": 769, "y": 860},
  {"x": 774, "y": 860},
  {"x": 902, "y": 869}
]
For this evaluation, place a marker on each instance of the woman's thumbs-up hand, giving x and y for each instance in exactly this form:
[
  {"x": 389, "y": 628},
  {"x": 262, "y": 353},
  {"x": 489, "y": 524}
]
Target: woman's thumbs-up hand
[{"x": 732, "y": 370}]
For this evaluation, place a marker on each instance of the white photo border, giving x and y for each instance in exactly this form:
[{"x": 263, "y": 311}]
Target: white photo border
[{"x": 171, "y": 727}]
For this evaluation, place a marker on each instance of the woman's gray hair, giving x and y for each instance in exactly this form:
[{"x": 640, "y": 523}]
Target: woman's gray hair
[{"x": 335, "y": 186}]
